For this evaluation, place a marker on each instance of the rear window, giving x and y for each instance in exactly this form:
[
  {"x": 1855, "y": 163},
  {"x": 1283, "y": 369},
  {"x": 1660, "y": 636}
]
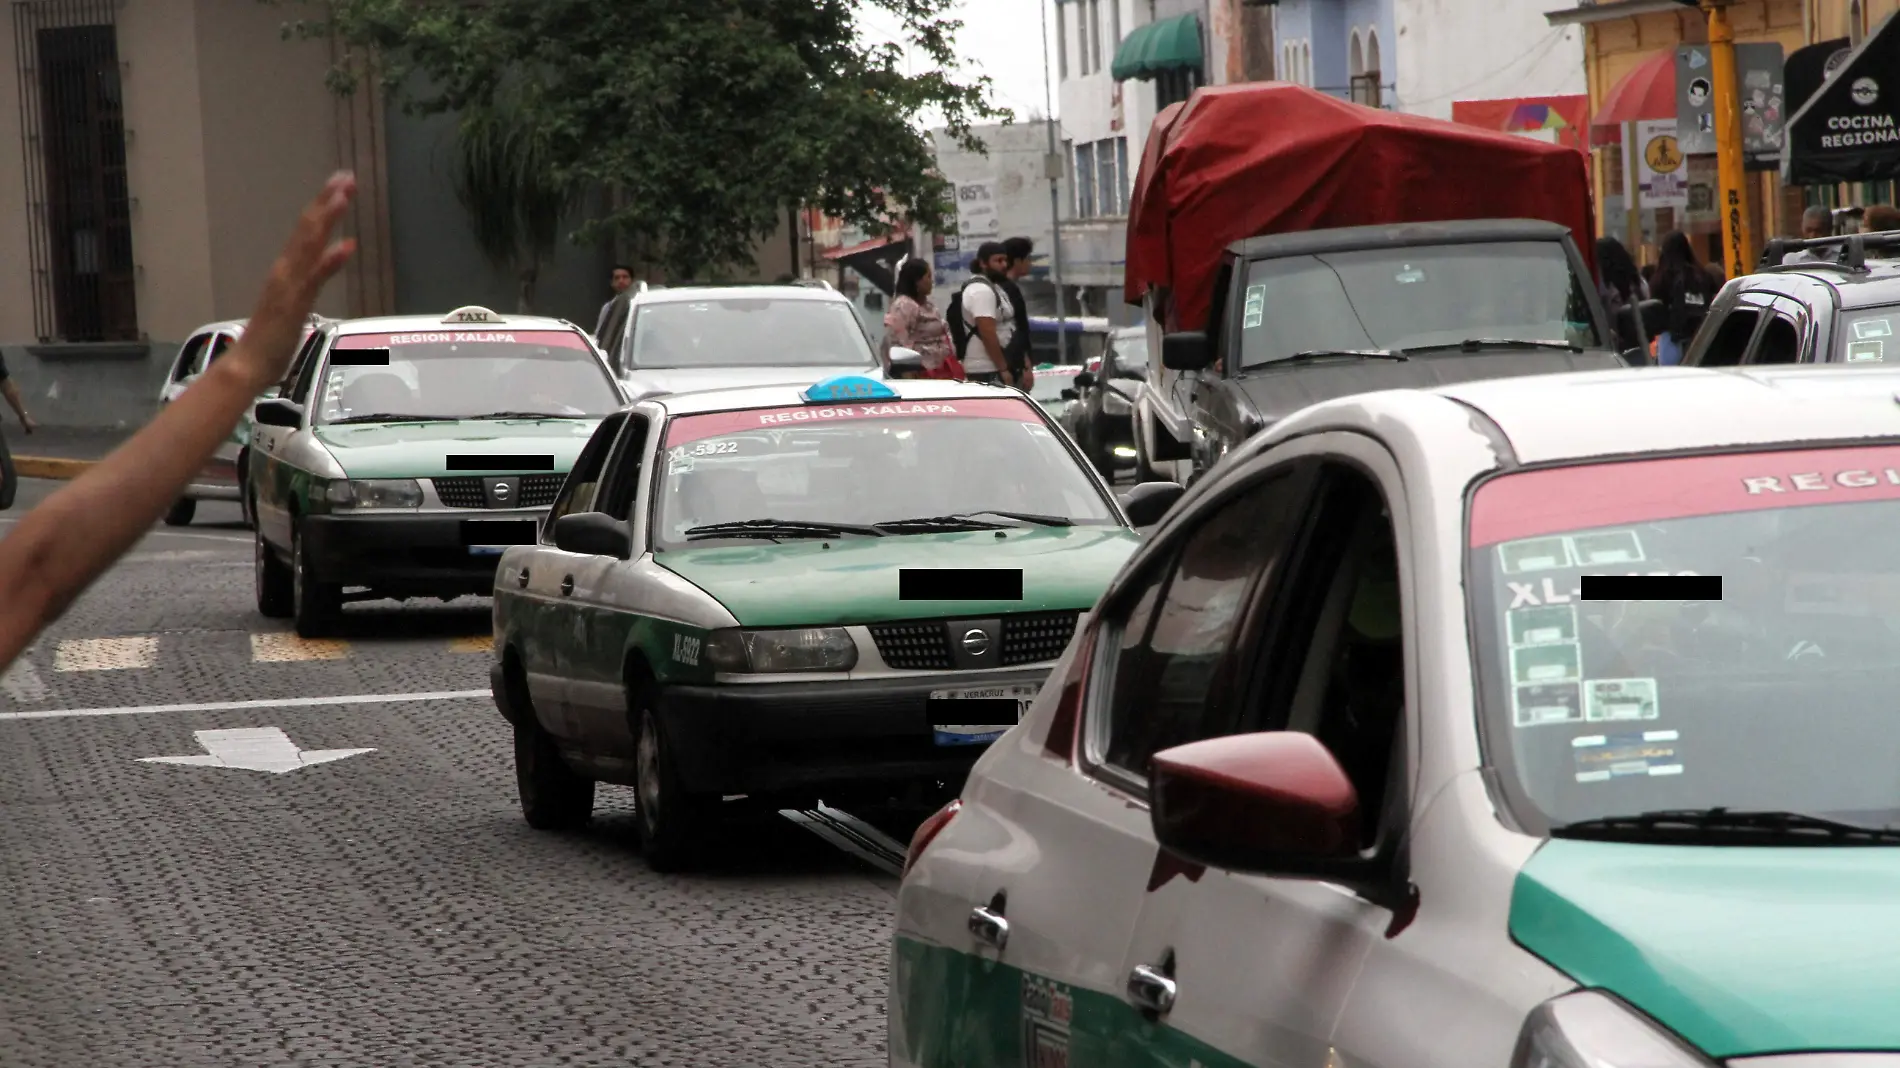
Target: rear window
[
  {"x": 1867, "y": 335},
  {"x": 464, "y": 374}
]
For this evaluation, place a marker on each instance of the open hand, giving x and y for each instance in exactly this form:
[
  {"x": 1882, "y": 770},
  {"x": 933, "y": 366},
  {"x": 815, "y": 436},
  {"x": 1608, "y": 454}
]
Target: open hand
[{"x": 309, "y": 260}]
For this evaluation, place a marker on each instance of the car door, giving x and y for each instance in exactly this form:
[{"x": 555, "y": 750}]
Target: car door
[
  {"x": 1724, "y": 339},
  {"x": 597, "y": 690},
  {"x": 271, "y": 474},
  {"x": 1076, "y": 858},
  {"x": 536, "y": 627},
  {"x": 1235, "y": 968}
]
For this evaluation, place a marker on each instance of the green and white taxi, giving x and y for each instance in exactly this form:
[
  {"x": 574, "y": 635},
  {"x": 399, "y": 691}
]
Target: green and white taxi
[
  {"x": 795, "y": 595},
  {"x": 1540, "y": 723},
  {"x": 404, "y": 454}
]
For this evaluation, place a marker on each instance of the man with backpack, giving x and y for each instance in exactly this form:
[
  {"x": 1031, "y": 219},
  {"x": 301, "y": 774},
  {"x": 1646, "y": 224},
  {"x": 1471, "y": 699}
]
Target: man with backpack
[{"x": 982, "y": 319}]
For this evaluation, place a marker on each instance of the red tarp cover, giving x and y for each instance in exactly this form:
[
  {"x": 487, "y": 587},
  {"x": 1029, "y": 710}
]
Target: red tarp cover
[{"x": 1240, "y": 161}]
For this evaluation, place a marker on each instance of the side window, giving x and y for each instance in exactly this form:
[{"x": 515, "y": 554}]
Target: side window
[
  {"x": 1780, "y": 342},
  {"x": 300, "y": 364},
  {"x": 188, "y": 356},
  {"x": 312, "y": 359},
  {"x": 218, "y": 348},
  {"x": 1729, "y": 343},
  {"x": 621, "y": 485},
  {"x": 577, "y": 493},
  {"x": 1331, "y": 656},
  {"x": 1168, "y": 681}
]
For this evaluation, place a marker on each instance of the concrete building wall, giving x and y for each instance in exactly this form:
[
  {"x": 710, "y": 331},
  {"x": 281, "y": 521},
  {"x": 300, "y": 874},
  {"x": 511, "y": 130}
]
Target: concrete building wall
[{"x": 1481, "y": 50}]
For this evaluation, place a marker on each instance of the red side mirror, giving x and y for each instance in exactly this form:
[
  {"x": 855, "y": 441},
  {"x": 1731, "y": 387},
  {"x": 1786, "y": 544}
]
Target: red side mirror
[{"x": 1251, "y": 802}]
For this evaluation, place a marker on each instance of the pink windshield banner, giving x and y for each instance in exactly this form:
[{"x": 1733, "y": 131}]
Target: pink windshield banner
[
  {"x": 559, "y": 339},
  {"x": 714, "y": 424}
]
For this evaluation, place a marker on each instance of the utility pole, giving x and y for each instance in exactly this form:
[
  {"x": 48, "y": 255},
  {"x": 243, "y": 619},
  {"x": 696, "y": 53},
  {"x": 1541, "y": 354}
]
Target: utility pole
[
  {"x": 1737, "y": 235},
  {"x": 1052, "y": 167}
]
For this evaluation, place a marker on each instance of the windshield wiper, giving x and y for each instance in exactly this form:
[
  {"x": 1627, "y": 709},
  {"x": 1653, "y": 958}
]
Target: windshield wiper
[
  {"x": 968, "y": 521},
  {"x": 1481, "y": 344},
  {"x": 393, "y": 417},
  {"x": 778, "y": 528},
  {"x": 1697, "y": 826},
  {"x": 1363, "y": 354},
  {"x": 524, "y": 415}
]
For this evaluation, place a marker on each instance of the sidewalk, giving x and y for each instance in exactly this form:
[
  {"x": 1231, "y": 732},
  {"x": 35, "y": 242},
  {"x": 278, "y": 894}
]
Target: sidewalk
[{"x": 61, "y": 452}]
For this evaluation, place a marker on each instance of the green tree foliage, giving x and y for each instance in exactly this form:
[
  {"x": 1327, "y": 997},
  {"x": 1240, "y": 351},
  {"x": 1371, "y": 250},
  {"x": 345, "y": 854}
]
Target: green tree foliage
[
  {"x": 708, "y": 119},
  {"x": 515, "y": 198}
]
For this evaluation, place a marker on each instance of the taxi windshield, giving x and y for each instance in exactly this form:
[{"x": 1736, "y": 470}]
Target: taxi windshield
[
  {"x": 867, "y": 464},
  {"x": 1770, "y": 692},
  {"x": 1421, "y": 295},
  {"x": 463, "y": 375},
  {"x": 1864, "y": 334},
  {"x": 747, "y": 332}
]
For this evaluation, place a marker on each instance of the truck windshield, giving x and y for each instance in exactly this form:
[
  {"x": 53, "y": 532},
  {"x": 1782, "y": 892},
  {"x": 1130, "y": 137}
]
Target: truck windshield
[{"x": 1397, "y": 298}]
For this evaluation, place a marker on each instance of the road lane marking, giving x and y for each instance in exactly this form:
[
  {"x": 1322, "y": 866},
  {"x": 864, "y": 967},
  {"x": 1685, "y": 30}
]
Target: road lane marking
[
  {"x": 105, "y": 654},
  {"x": 474, "y": 643},
  {"x": 22, "y": 681},
  {"x": 228, "y": 706},
  {"x": 254, "y": 749},
  {"x": 284, "y": 647}
]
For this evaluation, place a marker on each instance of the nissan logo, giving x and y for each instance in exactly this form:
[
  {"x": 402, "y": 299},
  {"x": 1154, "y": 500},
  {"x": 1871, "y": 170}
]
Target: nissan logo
[
  {"x": 976, "y": 641},
  {"x": 501, "y": 491}
]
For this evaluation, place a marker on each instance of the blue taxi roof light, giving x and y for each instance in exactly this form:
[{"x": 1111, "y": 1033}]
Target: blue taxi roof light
[{"x": 848, "y": 388}]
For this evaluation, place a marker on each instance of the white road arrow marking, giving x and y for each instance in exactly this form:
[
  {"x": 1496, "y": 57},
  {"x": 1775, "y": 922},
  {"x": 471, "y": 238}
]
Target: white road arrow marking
[{"x": 254, "y": 749}]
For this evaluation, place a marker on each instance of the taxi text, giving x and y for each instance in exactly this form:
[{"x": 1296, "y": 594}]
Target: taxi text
[
  {"x": 1815, "y": 480},
  {"x": 853, "y": 411},
  {"x": 447, "y": 339}
]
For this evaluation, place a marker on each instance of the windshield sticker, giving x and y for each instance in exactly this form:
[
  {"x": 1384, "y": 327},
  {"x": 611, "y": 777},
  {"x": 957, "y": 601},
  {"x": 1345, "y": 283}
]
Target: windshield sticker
[
  {"x": 678, "y": 463},
  {"x": 1609, "y": 547},
  {"x": 1256, "y": 308},
  {"x": 690, "y": 428},
  {"x": 1866, "y": 351},
  {"x": 1048, "y": 1013},
  {"x": 1543, "y": 626},
  {"x": 1603, "y": 757},
  {"x": 1557, "y": 702},
  {"x": 560, "y": 339},
  {"x": 1537, "y": 554},
  {"x": 1538, "y": 505},
  {"x": 1620, "y": 699},
  {"x": 1037, "y": 430},
  {"x": 1867, "y": 328},
  {"x": 1558, "y": 662}
]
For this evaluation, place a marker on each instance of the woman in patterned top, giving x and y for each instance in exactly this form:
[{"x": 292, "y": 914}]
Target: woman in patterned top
[{"x": 914, "y": 323}]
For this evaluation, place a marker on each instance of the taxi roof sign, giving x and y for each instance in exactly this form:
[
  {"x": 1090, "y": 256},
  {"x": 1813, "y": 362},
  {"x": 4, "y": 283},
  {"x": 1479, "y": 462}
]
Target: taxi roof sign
[
  {"x": 473, "y": 313},
  {"x": 848, "y": 388}
]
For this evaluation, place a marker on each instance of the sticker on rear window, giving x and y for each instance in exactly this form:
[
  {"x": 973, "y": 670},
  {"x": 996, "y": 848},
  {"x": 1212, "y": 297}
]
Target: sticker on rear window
[
  {"x": 1867, "y": 328},
  {"x": 1619, "y": 699},
  {"x": 1549, "y": 625},
  {"x": 1866, "y": 351},
  {"x": 1557, "y": 662},
  {"x": 1608, "y": 547},
  {"x": 1557, "y": 702},
  {"x": 1603, "y": 757},
  {"x": 1535, "y": 554},
  {"x": 1256, "y": 307}
]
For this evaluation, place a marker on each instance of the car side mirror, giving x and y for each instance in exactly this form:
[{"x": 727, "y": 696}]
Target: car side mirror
[
  {"x": 593, "y": 534},
  {"x": 906, "y": 359},
  {"x": 1259, "y": 804},
  {"x": 1186, "y": 351},
  {"x": 1147, "y": 502},
  {"x": 278, "y": 413},
  {"x": 1085, "y": 380}
]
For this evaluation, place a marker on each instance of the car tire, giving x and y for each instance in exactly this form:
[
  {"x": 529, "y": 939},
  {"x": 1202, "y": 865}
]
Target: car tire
[
  {"x": 553, "y": 796},
  {"x": 316, "y": 606},
  {"x": 274, "y": 594},
  {"x": 181, "y": 513},
  {"x": 674, "y": 824}
]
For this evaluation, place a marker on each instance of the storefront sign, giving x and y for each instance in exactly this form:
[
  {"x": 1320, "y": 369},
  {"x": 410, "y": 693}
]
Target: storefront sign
[
  {"x": 1663, "y": 173},
  {"x": 1849, "y": 130},
  {"x": 1760, "y": 89}
]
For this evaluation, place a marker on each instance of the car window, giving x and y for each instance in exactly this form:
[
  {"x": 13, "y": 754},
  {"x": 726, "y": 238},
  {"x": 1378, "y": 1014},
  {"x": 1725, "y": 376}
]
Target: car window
[
  {"x": 746, "y": 332},
  {"x": 869, "y": 463},
  {"x": 1729, "y": 343},
  {"x": 621, "y": 485},
  {"x": 218, "y": 348},
  {"x": 465, "y": 375},
  {"x": 1159, "y": 687},
  {"x": 1780, "y": 342},
  {"x": 577, "y": 493},
  {"x": 296, "y": 384},
  {"x": 1865, "y": 334},
  {"x": 188, "y": 356}
]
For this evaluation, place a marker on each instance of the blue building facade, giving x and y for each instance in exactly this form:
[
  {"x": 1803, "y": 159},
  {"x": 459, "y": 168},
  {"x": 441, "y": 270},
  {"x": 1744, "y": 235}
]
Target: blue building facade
[{"x": 1344, "y": 47}]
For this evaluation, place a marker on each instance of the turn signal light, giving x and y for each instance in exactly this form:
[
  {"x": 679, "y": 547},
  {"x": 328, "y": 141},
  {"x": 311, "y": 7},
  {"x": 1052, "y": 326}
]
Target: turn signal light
[{"x": 928, "y": 830}]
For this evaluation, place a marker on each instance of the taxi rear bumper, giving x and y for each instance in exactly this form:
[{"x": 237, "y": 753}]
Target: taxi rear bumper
[
  {"x": 404, "y": 553},
  {"x": 773, "y": 738}
]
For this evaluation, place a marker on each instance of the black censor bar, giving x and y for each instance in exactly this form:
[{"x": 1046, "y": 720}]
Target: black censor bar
[
  {"x": 1652, "y": 587},
  {"x": 959, "y": 583},
  {"x": 500, "y": 531},
  {"x": 360, "y": 358},
  {"x": 500, "y": 463}
]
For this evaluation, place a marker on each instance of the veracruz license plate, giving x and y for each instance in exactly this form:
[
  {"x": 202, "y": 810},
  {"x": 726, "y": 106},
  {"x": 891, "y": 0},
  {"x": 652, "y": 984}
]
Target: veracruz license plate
[{"x": 977, "y": 715}]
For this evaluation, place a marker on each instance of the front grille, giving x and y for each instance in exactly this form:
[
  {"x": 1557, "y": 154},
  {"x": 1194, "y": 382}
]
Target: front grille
[
  {"x": 924, "y": 645},
  {"x": 466, "y": 491}
]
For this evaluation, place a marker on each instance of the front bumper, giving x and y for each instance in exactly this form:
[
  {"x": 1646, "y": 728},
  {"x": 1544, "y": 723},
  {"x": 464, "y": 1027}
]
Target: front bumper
[
  {"x": 792, "y": 737},
  {"x": 413, "y": 554}
]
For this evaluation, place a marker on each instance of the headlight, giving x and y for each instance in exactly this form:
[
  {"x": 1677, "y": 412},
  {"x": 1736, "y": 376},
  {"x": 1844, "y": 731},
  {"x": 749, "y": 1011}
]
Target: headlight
[
  {"x": 1114, "y": 403},
  {"x": 375, "y": 493},
  {"x": 768, "y": 651},
  {"x": 1588, "y": 1029}
]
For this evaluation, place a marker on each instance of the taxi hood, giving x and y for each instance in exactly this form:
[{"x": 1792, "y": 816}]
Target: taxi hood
[
  {"x": 801, "y": 583},
  {"x": 421, "y": 450},
  {"x": 648, "y": 382},
  {"x": 1740, "y": 950}
]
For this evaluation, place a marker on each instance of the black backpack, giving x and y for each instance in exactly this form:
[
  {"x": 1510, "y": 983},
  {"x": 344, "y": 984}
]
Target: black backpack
[
  {"x": 1689, "y": 299},
  {"x": 959, "y": 330}
]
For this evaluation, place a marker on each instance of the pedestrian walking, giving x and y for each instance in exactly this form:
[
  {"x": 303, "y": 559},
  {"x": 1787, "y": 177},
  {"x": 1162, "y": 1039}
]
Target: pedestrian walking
[
  {"x": 1020, "y": 250},
  {"x": 612, "y": 321},
  {"x": 982, "y": 320},
  {"x": 1879, "y": 219},
  {"x": 621, "y": 280},
  {"x": 63, "y": 544},
  {"x": 914, "y": 323},
  {"x": 1621, "y": 286},
  {"x": 1685, "y": 287}
]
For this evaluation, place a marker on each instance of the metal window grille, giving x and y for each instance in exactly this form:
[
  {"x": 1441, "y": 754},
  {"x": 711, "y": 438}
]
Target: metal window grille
[
  {"x": 1365, "y": 89},
  {"x": 72, "y": 140}
]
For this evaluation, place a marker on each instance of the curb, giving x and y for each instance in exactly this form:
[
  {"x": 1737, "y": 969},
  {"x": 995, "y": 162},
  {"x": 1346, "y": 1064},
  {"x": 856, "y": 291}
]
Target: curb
[{"x": 54, "y": 467}]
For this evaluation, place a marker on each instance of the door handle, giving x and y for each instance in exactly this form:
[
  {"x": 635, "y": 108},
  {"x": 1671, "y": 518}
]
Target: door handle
[
  {"x": 522, "y": 579},
  {"x": 989, "y": 926},
  {"x": 567, "y": 585},
  {"x": 1149, "y": 989}
]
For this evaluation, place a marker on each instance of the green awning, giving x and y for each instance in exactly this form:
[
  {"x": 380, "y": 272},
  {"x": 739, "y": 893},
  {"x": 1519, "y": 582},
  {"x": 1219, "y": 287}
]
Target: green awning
[{"x": 1164, "y": 45}]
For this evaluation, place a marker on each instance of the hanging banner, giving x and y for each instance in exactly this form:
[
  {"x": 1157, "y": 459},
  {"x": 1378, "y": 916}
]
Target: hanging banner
[{"x": 1662, "y": 171}]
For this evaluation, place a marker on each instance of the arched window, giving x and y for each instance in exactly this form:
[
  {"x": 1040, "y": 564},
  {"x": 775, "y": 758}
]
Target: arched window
[
  {"x": 1374, "y": 76},
  {"x": 1306, "y": 63},
  {"x": 1355, "y": 55}
]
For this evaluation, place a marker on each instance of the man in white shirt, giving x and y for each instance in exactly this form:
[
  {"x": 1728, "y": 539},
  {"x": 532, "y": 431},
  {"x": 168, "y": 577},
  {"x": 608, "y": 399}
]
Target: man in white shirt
[
  {"x": 1816, "y": 222},
  {"x": 990, "y": 316}
]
